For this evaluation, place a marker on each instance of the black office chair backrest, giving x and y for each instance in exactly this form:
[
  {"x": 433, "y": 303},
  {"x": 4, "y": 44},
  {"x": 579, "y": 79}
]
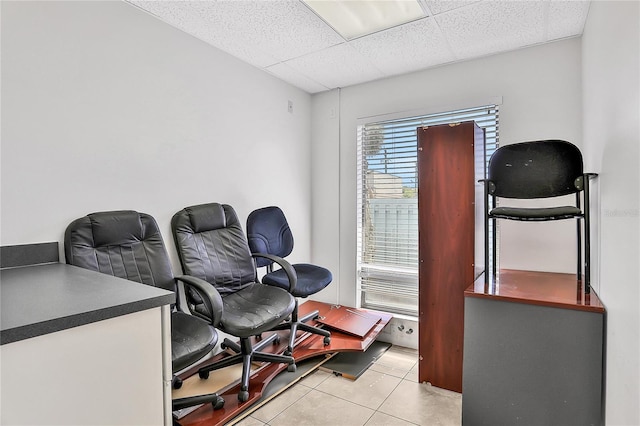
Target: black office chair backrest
[
  {"x": 126, "y": 244},
  {"x": 539, "y": 169},
  {"x": 206, "y": 235},
  {"x": 268, "y": 232}
]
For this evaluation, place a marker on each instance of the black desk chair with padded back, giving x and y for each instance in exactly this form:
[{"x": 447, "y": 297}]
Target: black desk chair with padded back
[
  {"x": 268, "y": 232},
  {"x": 535, "y": 170},
  {"x": 211, "y": 245},
  {"x": 128, "y": 245}
]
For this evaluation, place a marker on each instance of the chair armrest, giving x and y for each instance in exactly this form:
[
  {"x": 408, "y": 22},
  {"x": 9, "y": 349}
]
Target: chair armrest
[
  {"x": 291, "y": 273},
  {"x": 489, "y": 186},
  {"x": 209, "y": 295}
]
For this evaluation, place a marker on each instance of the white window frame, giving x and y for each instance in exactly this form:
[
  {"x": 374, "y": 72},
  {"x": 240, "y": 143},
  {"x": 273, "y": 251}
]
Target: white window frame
[{"x": 387, "y": 280}]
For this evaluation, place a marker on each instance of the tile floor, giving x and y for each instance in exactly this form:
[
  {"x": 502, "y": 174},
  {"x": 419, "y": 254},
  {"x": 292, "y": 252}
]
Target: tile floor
[{"x": 388, "y": 393}]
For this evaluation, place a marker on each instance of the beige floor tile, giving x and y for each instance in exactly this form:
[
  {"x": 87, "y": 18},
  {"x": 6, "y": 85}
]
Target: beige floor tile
[
  {"x": 412, "y": 375},
  {"x": 315, "y": 378},
  {"x": 370, "y": 389},
  {"x": 249, "y": 421},
  {"x": 381, "y": 419},
  {"x": 396, "y": 361},
  {"x": 318, "y": 408},
  {"x": 424, "y": 405},
  {"x": 280, "y": 403}
]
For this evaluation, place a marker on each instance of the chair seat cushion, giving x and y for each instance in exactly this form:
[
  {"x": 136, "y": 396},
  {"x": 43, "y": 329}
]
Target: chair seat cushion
[
  {"x": 311, "y": 279},
  {"x": 255, "y": 309},
  {"x": 191, "y": 339},
  {"x": 536, "y": 214}
]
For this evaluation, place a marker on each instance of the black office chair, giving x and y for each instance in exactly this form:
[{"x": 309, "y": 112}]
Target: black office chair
[
  {"x": 212, "y": 246},
  {"x": 538, "y": 169},
  {"x": 128, "y": 245},
  {"x": 268, "y": 232}
]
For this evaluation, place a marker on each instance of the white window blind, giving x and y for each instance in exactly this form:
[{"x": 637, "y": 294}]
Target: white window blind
[{"x": 388, "y": 205}]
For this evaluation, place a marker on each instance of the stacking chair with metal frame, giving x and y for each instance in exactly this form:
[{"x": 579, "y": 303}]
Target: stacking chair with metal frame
[
  {"x": 128, "y": 245},
  {"x": 535, "y": 170}
]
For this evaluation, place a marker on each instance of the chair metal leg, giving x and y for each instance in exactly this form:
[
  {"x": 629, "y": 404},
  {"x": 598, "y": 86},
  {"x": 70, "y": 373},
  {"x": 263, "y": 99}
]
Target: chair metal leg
[
  {"x": 494, "y": 251},
  {"x": 587, "y": 238},
  {"x": 579, "y": 240},
  {"x": 486, "y": 235}
]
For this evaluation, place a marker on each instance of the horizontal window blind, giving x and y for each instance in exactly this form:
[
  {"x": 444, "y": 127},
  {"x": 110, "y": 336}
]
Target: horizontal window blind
[{"x": 387, "y": 192}]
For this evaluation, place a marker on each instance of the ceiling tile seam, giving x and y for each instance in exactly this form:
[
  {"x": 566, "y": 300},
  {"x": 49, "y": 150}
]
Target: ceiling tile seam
[
  {"x": 387, "y": 29},
  {"x": 425, "y": 7},
  {"x": 296, "y": 71},
  {"x": 545, "y": 16},
  {"x": 313, "y": 52},
  {"x": 313, "y": 12},
  {"x": 371, "y": 64},
  {"x": 446, "y": 39}
]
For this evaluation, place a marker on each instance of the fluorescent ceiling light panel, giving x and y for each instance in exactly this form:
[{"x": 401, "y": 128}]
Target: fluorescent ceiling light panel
[{"x": 356, "y": 18}]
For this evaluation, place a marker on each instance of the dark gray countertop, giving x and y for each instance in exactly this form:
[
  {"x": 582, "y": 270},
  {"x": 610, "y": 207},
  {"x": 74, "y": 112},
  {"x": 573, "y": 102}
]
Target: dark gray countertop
[{"x": 37, "y": 300}]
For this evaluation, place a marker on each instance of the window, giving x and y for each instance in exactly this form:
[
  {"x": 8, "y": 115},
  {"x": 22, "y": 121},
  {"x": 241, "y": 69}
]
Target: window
[{"x": 388, "y": 205}]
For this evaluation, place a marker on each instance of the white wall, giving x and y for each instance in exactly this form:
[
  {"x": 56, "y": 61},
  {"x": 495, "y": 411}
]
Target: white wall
[
  {"x": 105, "y": 107},
  {"x": 611, "y": 94},
  {"x": 541, "y": 92}
]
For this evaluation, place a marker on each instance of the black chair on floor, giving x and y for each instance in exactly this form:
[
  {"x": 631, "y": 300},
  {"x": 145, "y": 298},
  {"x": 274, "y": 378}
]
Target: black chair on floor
[
  {"x": 535, "y": 170},
  {"x": 212, "y": 246},
  {"x": 128, "y": 245},
  {"x": 268, "y": 232}
]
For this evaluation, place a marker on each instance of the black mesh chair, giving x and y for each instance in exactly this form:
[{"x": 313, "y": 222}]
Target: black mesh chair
[
  {"x": 535, "y": 170},
  {"x": 212, "y": 246},
  {"x": 268, "y": 232},
  {"x": 128, "y": 245}
]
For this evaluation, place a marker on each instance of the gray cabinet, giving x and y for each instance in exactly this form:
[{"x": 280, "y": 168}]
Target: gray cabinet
[{"x": 533, "y": 352}]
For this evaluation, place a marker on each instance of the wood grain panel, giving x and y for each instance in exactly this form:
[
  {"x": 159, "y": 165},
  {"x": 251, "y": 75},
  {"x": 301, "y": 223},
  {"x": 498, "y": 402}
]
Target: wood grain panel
[
  {"x": 446, "y": 205},
  {"x": 537, "y": 288},
  {"x": 306, "y": 346}
]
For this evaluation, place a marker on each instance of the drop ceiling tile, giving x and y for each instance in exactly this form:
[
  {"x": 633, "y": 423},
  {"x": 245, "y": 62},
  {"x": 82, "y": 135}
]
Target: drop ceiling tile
[
  {"x": 260, "y": 32},
  {"x": 440, "y": 6},
  {"x": 494, "y": 26},
  {"x": 284, "y": 29},
  {"x": 291, "y": 76},
  {"x": 566, "y": 19},
  {"x": 336, "y": 66},
  {"x": 198, "y": 19},
  {"x": 417, "y": 45}
]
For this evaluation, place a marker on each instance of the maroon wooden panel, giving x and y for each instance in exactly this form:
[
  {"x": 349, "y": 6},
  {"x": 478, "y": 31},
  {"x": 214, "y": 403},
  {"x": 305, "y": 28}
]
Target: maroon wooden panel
[
  {"x": 349, "y": 321},
  {"x": 306, "y": 346},
  {"x": 446, "y": 205},
  {"x": 537, "y": 288}
]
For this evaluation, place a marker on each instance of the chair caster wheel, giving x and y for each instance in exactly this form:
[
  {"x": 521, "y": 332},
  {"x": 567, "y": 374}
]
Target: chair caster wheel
[
  {"x": 291, "y": 368},
  {"x": 243, "y": 395},
  {"x": 287, "y": 352},
  {"x": 223, "y": 346},
  {"x": 327, "y": 340},
  {"x": 276, "y": 341},
  {"x": 203, "y": 374},
  {"x": 176, "y": 383},
  {"x": 218, "y": 403}
]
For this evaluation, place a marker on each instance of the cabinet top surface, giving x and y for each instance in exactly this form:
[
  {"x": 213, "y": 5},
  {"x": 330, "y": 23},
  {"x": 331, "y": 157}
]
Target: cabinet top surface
[
  {"x": 537, "y": 288},
  {"x": 43, "y": 299}
]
